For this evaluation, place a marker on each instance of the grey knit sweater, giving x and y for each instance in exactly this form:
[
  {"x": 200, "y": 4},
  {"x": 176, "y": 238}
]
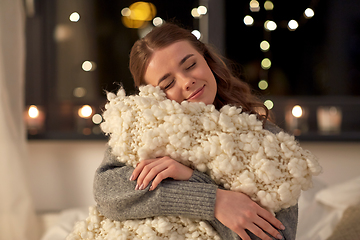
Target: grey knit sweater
[{"x": 117, "y": 198}]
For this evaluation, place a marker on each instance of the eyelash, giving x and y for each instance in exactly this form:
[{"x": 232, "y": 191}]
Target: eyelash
[
  {"x": 172, "y": 81},
  {"x": 169, "y": 85},
  {"x": 192, "y": 65}
]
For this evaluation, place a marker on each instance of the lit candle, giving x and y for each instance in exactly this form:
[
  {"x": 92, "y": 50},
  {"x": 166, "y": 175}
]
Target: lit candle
[{"x": 297, "y": 120}]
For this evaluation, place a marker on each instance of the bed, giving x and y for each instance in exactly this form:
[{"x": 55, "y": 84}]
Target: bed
[{"x": 325, "y": 213}]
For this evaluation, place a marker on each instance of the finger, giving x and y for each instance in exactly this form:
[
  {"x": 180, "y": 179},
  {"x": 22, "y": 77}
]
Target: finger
[
  {"x": 270, "y": 218},
  {"x": 267, "y": 227},
  {"x": 139, "y": 167},
  {"x": 242, "y": 234},
  {"x": 159, "y": 177},
  {"x": 258, "y": 232},
  {"x": 158, "y": 172},
  {"x": 149, "y": 172}
]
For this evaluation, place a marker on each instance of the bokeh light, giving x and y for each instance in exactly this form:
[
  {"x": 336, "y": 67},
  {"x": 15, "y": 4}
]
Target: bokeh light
[
  {"x": 266, "y": 63},
  {"x": 85, "y": 111},
  {"x": 309, "y": 13},
  {"x": 74, "y": 17},
  {"x": 97, "y": 118},
  {"x": 158, "y": 21},
  {"x": 248, "y": 20},
  {"x": 79, "y": 92},
  {"x": 270, "y": 25},
  {"x": 88, "y": 66},
  {"x": 293, "y": 25},
  {"x": 33, "y": 111},
  {"x": 263, "y": 84},
  {"x": 202, "y": 10},
  {"x": 254, "y": 6},
  {"x": 269, "y": 104},
  {"x": 138, "y": 14},
  {"x": 196, "y": 33},
  {"x": 268, "y": 5},
  {"x": 264, "y": 46},
  {"x": 297, "y": 111}
]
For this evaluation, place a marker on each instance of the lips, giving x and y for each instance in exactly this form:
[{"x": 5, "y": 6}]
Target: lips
[{"x": 197, "y": 93}]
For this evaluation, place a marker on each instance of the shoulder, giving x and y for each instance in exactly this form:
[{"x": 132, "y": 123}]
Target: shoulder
[{"x": 272, "y": 127}]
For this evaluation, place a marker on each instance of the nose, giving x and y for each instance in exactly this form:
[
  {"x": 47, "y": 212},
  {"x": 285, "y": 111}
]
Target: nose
[{"x": 188, "y": 83}]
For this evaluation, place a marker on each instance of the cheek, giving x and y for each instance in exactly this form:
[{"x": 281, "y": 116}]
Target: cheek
[{"x": 173, "y": 95}]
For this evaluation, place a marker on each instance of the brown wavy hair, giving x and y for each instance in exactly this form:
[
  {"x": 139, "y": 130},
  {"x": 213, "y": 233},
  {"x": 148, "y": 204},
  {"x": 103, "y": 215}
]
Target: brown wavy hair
[{"x": 230, "y": 88}]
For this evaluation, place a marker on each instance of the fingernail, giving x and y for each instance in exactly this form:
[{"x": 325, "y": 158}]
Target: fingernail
[
  {"x": 282, "y": 227},
  {"x": 151, "y": 188},
  {"x": 279, "y": 236},
  {"x": 137, "y": 187},
  {"x": 141, "y": 187},
  {"x": 131, "y": 178}
]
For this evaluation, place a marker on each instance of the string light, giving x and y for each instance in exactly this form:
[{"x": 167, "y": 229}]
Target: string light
[
  {"x": 263, "y": 84},
  {"x": 196, "y": 33},
  {"x": 309, "y": 13},
  {"x": 264, "y": 46},
  {"x": 268, "y": 5},
  {"x": 270, "y": 25},
  {"x": 269, "y": 104},
  {"x": 293, "y": 25},
  {"x": 74, "y": 17},
  {"x": 254, "y": 6},
  {"x": 248, "y": 20}
]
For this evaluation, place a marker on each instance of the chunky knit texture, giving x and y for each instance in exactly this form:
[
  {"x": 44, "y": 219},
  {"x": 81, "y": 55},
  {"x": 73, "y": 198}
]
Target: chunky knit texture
[{"x": 229, "y": 145}]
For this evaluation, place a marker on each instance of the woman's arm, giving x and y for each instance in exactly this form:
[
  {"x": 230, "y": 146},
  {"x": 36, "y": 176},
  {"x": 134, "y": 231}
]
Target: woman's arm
[{"x": 117, "y": 198}]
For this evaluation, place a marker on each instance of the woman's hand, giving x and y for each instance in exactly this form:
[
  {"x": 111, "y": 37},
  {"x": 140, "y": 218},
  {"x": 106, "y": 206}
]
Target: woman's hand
[
  {"x": 238, "y": 212},
  {"x": 157, "y": 170}
]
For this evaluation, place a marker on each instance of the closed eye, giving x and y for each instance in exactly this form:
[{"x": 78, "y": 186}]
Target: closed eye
[
  {"x": 169, "y": 85},
  {"x": 191, "y": 66}
]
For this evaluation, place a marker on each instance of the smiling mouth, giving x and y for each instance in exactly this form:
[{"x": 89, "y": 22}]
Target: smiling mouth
[{"x": 194, "y": 94}]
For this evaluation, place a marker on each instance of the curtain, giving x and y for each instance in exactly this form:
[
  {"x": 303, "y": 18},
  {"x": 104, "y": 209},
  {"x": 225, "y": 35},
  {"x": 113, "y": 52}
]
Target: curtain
[{"x": 17, "y": 214}]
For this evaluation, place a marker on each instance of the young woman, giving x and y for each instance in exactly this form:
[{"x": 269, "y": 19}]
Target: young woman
[{"x": 187, "y": 70}]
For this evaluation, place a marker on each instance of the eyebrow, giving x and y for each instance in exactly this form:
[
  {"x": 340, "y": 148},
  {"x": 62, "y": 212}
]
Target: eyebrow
[{"x": 180, "y": 63}]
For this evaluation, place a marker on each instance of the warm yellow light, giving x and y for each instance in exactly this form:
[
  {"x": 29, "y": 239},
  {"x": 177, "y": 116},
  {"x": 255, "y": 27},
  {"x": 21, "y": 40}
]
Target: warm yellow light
[
  {"x": 263, "y": 84},
  {"x": 33, "y": 111},
  {"x": 248, "y": 20},
  {"x": 269, "y": 104},
  {"x": 309, "y": 13},
  {"x": 142, "y": 11},
  {"x": 85, "y": 111},
  {"x": 297, "y": 111},
  {"x": 293, "y": 25},
  {"x": 195, "y": 13},
  {"x": 138, "y": 14},
  {"x": 268, "y": 5},
  {"x": 254, "y": 6},
  {"x": 74, "y": 17},
  {"x": 202, "y": 10},
  {"x": 264, "y": 46},
  {"x": 88, "y": 66},
  {"x": 266, "y": 63},
  {"x": 97, "y": 118},
  {"x": 270, "y": 25}
]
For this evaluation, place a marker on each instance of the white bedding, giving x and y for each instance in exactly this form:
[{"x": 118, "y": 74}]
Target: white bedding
[{"x": 320, "y": 210}]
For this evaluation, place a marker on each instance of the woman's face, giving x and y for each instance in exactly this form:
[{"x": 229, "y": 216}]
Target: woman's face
[{"x": 182, "y": 73}]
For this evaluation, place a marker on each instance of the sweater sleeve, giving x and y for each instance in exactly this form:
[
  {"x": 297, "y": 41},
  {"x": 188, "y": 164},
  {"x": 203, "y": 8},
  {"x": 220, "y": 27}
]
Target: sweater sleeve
[{"x": 117, "y": 198}]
